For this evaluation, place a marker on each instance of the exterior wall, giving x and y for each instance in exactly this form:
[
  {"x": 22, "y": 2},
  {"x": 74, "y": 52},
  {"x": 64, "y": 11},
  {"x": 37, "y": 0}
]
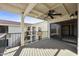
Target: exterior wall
[
  {"x": 14, "y": 35},
  {"x": 14, "y": 29}
]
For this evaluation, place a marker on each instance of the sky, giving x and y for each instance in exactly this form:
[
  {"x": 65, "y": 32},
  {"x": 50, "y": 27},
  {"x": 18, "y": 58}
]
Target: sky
[{"x": 4, "y": 15}]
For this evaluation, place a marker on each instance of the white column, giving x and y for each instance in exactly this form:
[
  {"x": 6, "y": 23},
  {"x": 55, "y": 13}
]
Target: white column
[
  {"x": 48, "y": 30},
  {"x": 22, "y": 28}
]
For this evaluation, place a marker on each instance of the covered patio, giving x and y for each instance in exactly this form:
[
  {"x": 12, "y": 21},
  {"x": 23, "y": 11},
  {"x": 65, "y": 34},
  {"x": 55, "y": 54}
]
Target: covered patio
[{"x": 47, "y": 46}]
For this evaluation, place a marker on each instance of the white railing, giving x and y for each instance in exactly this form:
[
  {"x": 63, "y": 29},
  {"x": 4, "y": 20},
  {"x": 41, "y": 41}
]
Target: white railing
[
  {"x": 34, "y": 37},
  {"x": 3, "y": 41},
  {"x": 13, "y": 39}
]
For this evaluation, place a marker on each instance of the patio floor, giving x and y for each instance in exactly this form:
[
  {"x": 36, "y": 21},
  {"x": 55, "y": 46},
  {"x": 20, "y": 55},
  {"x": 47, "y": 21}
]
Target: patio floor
[{"x": 43, "y": 48}]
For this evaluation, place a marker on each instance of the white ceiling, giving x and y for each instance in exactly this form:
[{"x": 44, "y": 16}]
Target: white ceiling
[{"x": 39, "y": 10}]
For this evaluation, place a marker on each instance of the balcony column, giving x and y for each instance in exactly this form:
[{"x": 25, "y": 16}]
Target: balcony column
[{"x": 22, "y": 29}]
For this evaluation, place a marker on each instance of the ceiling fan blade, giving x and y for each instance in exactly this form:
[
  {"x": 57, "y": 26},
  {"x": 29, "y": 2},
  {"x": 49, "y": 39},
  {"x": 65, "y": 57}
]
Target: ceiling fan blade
[
  {"x": 56, "y": 14},
  {"x": 51, "y": 17}
]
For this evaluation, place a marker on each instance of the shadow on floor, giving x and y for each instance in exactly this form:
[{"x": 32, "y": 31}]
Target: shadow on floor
[
  {"x": 48, "y": 44},
  {"x": 57, "y": 52},
  {"x": 18, "y": 51}
]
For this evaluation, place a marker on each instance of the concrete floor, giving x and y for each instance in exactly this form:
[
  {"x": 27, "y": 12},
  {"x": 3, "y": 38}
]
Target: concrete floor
[{"x": 43, "y": 48}]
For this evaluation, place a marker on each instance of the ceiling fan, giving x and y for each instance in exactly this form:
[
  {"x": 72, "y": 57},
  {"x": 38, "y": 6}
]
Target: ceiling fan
[
  {"x": 51, "y": 14},
  {"x": 74, "y": 14}
]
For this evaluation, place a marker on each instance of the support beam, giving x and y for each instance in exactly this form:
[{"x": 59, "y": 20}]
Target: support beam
[
  {"x": 27, "y": 11},
  {"x": 29, "y": 8},
  {"x": 22, "y": 27},
  {"x": 66, "y": 9}
]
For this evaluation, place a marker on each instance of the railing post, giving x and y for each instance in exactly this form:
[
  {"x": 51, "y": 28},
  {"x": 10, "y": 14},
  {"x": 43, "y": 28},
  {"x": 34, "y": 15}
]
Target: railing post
[
  {"x": 5, "y": 41},
  {"x": 22, "y": 27}
]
